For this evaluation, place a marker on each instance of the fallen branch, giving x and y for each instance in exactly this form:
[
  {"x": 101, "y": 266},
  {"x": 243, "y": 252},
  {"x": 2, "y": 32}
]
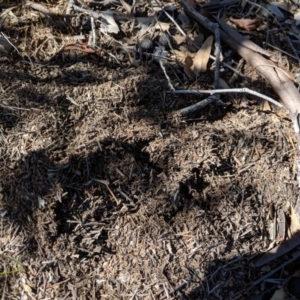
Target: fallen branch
[
  {"x": 253, "y": 55},
  {"x": 278, "y": 251},
  {"x": 294, "y": 255},
  {"x": 197, "y": 47}
]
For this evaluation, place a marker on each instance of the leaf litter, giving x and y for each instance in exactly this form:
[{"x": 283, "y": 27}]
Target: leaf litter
[{"x": 105, "y": 191}]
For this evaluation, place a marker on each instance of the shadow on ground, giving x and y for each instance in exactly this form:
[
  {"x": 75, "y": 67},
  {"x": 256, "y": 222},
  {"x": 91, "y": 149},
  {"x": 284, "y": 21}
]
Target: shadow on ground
[{"x": 195, "y": 187}]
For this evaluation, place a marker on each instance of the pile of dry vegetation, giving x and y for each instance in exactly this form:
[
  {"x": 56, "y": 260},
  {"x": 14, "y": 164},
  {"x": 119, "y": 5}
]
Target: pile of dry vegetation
[{"x": 115, "y": 186}]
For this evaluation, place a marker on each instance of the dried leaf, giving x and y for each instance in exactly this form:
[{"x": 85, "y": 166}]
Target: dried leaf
[
  {"x": 297, "y": 206},
  {"x": 145, "y": 23},
  {"x": 266, "y": 106},
  {"x": 180, "y": 56},
  {"x": 247, "y": 24},
  {"x": 130, "y": 41},
  {"x": 295, "y": 222},
  {"x": 134, "y": 62},
  {"x": 27, "y": 288},
  {"x": 297, "y": 17},
  {"x": 162, "y": 26},
  {"x": 179, "y": 39},
  {"x": 126, "y": 6},
  {"x": 202, "y": 56},
  {"x": 108, "y": 23},
  {"x": 279, "y": 294},
  {"x": 186, "y": 61},
  {"x": 188, "y": 67},
  {"x": 281, "y": 223}
]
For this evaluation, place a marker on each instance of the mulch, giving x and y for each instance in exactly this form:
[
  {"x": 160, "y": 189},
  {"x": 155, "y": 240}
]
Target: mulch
[{"x": 107, "y": 193}]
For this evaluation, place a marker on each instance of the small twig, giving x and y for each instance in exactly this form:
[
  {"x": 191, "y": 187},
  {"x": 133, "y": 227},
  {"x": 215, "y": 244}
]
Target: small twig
[
  {"x": 295, "y": 255},
  {"x": 106, "y": 184},
  {"x": 239, "y": 66},
  {"x": 6, "y": 38},
  {"x": 2, "y": 15},
  {"x": 296, "y": 123},
  {"x": 113, "y": 39},
  {"x": 88, "y": 11},
  {"x": 291, "y": 77},
  {"x": 198, "y": 105},
  {"x": 69, "y": 7},
  {"x": 41, "y": 8},
  {"x": 278, "y": 23},
  {"x": 226, "y": 91},
  {"x": 177, "y": 25},
  {"x": 282, "y": 51},
  {"x": 72, "y": 100},
  {"x": 217, "y": 53},
  {"x": 278, "y": 251},
  {"x": 231, "y": 68},
  {"x": 83, "y": 4},
  {"x": 10, "y": 43},
  {"x": 197, "y": 47},
  {"x": 166, "y": 75},
  {"x": 181, "y": 286},
  {"x": 93, "y": 31}
]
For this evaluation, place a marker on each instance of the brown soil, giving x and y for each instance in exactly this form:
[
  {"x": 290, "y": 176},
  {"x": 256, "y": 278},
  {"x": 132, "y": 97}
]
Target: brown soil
[{"x": 107, "y": 194}]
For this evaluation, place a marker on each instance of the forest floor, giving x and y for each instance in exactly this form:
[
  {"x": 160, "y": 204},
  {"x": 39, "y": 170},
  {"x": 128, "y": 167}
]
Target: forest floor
[{"x": 107, "y": 193}]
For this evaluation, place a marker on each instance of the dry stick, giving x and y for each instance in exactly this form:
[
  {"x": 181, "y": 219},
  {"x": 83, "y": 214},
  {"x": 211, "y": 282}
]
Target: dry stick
[
  {"x": 43, "y": 9},
  {"x": 217, "y": 66},
  {"x": 6, "y": 38},
  {"x": 166, "y": 75},
  {"x": 282, "y": 51},
  {"x": 2, "y": 15},
  {"x": 295, "y": 255},
  {"x": 197, "y": 47},
  {"x": 237, "y": 90},
  {"x": 69, "y": 7},
  {"x": 239, "y": 67},
  {"x": 278, "y": 251},
  {"x": 236, "y": 71},
  {"x": 280, "y": 82},
  {"x": 189, "y": 109},
  {"x": 276, "y": 21},
  {"x": 217, "y": 53},
  {"x": 92, "y": 13},
  {"x": 39, "y": 7},
  {"x": 93, "y": 31},
  {"x": 160, "y": 59}
]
